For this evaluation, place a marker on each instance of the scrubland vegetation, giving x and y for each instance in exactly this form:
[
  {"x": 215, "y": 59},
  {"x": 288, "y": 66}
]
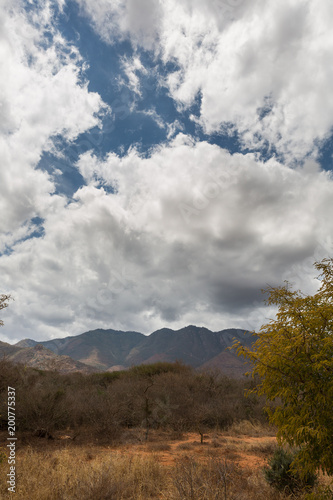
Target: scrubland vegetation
[
  {"x": 160, "y": 431},
  {"x": 102, "y": 406}
]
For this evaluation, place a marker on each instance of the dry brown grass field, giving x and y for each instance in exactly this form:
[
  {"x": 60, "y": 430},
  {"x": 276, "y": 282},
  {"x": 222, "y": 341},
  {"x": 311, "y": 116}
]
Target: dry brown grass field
[{"x": 228, "y": 465}]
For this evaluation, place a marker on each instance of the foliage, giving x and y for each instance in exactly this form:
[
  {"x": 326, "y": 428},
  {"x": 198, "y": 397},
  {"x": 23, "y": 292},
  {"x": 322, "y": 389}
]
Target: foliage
[
  {"x": 293, "y": 356},
  {"x": 321, "y": 493},
  {"x": 105, "y": 378},
  {"x": 281, "y": 475},
  {"x": 160, "y": 396},
  {"x": 4, "y": 299},
  {"x": 139, "y": 371},
  {"x": 152, "y": 369}
]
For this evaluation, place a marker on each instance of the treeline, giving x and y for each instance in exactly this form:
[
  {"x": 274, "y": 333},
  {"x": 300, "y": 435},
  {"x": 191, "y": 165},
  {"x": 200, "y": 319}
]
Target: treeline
[{"x": 160, "y": 396}]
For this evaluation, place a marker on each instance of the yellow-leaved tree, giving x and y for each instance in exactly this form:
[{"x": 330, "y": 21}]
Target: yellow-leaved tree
[{"x": 293, "y": 357}]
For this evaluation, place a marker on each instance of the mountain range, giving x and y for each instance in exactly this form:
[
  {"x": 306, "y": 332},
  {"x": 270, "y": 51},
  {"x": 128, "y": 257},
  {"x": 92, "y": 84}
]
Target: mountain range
[{"x": 110, "y": 350}]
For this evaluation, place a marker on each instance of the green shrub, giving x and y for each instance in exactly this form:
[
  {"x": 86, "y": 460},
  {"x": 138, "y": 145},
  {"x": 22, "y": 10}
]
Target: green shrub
[{"x": 282, "y": 475}]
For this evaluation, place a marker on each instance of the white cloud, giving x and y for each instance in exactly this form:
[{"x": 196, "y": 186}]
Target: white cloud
[
  {"x": 191, "y": 233},
  {"x": 133, "y": 66},
  {"x": 120, "y": 18},
  {"x": 173, "y": 128},
  {"x": 152, "y": 113},
  {"x": 191, "y": 236},
  {"x": 262, "y": 67},
  {"x": 42, "y": 94}
]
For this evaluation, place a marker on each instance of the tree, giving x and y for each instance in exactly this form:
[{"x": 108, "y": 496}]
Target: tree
[
  {"x": 4, "y": 303},
  {"x": 293, "y": 357}
]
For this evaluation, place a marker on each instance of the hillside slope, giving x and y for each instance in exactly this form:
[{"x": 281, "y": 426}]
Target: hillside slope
[
  {"x": 41, "y": 358},
  {"x": 113, "y": 349}
]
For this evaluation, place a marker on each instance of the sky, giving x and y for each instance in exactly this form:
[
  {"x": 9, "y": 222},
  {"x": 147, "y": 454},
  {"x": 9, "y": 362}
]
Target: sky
[{"x": 161, "y": 161}]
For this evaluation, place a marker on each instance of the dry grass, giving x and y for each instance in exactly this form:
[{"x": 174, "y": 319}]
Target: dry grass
[
  {"x": 79, "y": 474},
  {"x": 227, "y": 467},
  {"x": 217, "y": 479},
  {"x": 155, "y": 447},
  {"x": 265, "y": 447},
  {"x": 185, "y": 446},
  {"x": 83, "y": 474},
  {"x": 253, "y": 429},
  {"x": 66, "y": 475}
]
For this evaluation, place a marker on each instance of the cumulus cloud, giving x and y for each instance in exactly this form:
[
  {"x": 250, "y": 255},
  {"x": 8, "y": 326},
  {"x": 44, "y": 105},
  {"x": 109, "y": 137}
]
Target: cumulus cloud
[
  {"x": 190, "y": 234},
  {"x": 116, "y": 20},
  {"x": 260, "y": 67},
  {"x": 42, "y": 95}
]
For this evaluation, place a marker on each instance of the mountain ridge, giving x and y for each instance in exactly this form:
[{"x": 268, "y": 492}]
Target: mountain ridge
[{"x": 109, "y": 350}]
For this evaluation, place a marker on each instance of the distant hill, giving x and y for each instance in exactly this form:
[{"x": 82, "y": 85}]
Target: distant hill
[
  {"x": 112, "y": 349},
  {"x": 43, "y": 359},
  {"x": 101, "y": 349}
]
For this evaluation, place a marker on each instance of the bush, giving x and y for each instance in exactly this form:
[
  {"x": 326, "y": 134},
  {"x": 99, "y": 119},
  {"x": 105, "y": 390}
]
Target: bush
[
  {"x": 159, "y": 367},
  {"x": 321, "y": 493},
  {"x": 283, "y": 476},
  {"x": 161, "y": 395},
  {"x": 212, "y": 480}
]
